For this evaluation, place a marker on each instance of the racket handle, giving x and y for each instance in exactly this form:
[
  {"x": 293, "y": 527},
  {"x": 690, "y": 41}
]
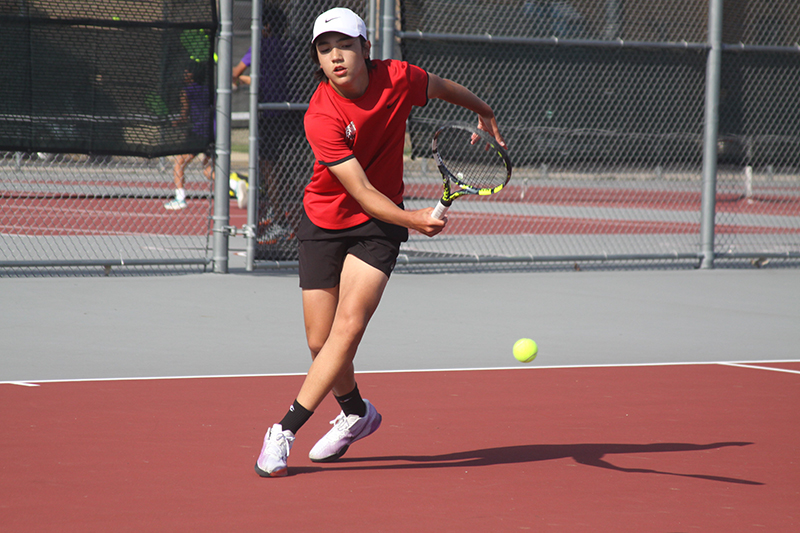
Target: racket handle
[{"x": 440, "y": 209}]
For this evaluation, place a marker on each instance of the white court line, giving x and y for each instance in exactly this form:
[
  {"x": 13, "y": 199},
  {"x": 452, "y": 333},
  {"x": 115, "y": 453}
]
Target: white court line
[
  {"x": 744, "y": 364},
  {"x": 741, "y": 365}
]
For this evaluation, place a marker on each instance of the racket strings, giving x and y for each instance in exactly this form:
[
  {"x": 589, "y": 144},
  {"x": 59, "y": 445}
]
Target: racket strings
[{"x": 476, "y": 166}]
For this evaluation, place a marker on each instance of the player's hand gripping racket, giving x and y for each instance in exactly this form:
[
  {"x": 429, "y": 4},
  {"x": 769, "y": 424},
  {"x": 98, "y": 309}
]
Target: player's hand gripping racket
[{"x": 471, "y": 162}]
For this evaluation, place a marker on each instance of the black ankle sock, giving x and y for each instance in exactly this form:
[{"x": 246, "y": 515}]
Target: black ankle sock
[
  {"x": 295, "y": 417},
  {"x": 352, "y": 404}
]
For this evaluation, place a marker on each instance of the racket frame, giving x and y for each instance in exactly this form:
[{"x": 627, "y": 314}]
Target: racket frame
[{"x": 448, "y": 195}]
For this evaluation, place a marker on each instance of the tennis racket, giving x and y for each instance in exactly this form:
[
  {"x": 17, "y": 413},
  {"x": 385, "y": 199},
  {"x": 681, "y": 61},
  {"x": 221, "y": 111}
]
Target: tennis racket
[{"x": 471, "y": 162}]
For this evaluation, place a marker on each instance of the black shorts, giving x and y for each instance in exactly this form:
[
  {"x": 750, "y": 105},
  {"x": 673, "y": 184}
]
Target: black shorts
[{"x": 322, "y": 252}]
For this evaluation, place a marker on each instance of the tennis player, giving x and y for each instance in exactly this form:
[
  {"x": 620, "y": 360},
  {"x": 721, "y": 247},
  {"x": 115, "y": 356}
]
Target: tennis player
[{"x": 354, "y": 221}]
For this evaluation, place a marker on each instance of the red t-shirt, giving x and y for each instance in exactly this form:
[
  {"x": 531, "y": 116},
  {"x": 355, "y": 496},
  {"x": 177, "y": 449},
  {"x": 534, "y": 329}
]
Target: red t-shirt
[{"x": 371, "y": 129}]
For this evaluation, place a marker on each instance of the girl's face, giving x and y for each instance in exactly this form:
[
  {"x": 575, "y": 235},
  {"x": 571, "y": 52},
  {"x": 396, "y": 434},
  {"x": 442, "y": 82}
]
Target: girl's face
[{"x": 342, "y": 59}]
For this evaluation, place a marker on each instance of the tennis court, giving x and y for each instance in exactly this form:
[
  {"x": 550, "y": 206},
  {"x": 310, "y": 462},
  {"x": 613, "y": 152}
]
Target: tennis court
[{"x": 660, "y": 401}]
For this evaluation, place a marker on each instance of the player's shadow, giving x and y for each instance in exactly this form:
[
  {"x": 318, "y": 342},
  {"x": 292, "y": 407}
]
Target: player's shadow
[{"x": 585, "y": 454}]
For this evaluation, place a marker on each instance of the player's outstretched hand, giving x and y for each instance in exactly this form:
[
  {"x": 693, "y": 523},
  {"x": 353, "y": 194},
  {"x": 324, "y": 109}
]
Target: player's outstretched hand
[
  {"x": 423, "y": 222},
  {"x": 489, "y": 124}
]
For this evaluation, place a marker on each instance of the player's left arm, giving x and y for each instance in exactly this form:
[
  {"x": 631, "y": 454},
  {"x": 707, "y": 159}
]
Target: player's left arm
[
  {"x": 457, "y": 94},
  {"x": 238, "y": 74}
]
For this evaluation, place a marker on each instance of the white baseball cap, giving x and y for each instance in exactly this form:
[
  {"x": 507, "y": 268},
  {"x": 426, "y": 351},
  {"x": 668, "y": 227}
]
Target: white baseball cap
[{"x": 342, "y": 20}]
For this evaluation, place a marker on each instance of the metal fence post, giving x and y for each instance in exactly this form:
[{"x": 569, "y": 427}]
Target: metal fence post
[
  {"x": 388, "y": 17},
  {"x": 713, "y": 68},
  {"x": 253, "y": 163},
  {"x": 222, "y": 168},
  {"x": 372, "y": 26}
]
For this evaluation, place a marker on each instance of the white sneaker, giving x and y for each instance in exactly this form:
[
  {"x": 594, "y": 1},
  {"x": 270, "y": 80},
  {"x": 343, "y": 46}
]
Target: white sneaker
[
  {"x": 233, "y": 182},
  {"x": 346, "y": 430},
  {"x": 274, "y": 452},
  {"x": 175, "y": 205},
  {"x": 241, "y": 194}
]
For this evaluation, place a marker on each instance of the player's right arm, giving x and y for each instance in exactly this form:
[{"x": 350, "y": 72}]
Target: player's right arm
[{"x": 378, "y": 205}]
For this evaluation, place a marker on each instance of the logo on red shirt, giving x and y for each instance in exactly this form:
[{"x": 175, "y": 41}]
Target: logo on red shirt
[
  {"x": 350, "y": 131},
  {"x": 350, "y": 134}
]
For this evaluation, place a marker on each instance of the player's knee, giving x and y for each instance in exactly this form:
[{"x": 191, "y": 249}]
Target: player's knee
[
  {"x": 350, "y": 328},
  {"x": 315, "y": 346}
]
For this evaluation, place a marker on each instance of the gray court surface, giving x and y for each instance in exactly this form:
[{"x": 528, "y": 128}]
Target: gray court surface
[{"x": 251, "y": 323}]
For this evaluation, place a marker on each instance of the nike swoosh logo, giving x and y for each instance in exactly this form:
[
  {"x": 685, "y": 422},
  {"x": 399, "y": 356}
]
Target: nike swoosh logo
[
  {"x": 328, "y": 20},
  {"x": 390, "y": 105}
]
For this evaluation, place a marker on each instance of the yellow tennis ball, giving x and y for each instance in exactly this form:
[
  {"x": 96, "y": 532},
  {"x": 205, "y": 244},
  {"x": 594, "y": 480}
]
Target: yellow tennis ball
[{"x": 525, "y": 350}]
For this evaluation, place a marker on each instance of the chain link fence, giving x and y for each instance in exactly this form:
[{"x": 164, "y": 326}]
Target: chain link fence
[
  {"x": 758, "y": 181},
  {"x": 107, "y": 78},
  {"x": 601, "y": 103},
  {"x": 68, "y": 212}
]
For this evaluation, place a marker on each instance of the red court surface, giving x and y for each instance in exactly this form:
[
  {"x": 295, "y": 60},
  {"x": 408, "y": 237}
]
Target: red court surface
[
  {"x": 678, "y": 448},
  {"x": 53, "y": 214},
  {"x": 111, "y": 216}
]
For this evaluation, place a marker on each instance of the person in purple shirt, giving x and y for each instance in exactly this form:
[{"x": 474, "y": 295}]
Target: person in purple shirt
[
  {"x": 195, "y": 113},
  {"x": 275, "y": 126},
  {"x": 273, "y": 86}
]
